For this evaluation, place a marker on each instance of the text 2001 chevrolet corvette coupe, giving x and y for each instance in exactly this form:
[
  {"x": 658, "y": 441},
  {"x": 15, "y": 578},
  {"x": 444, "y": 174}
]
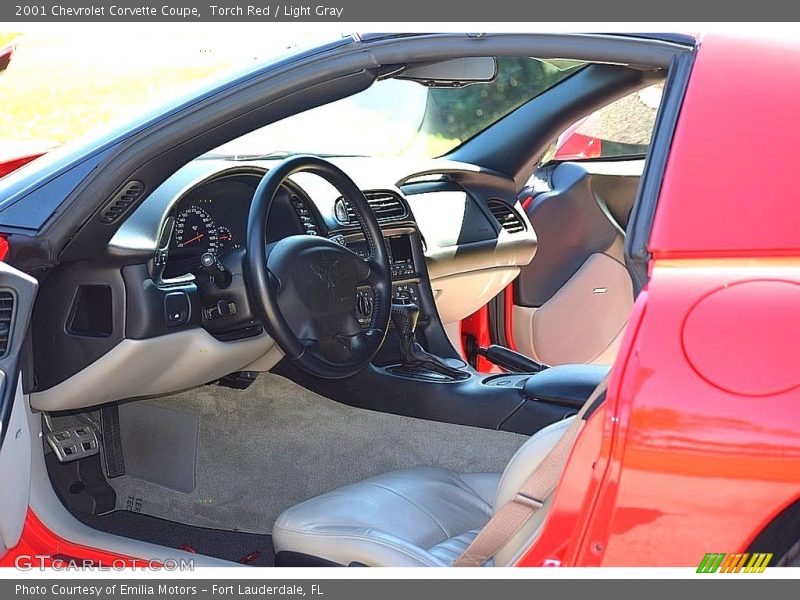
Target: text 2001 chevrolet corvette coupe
[{"x": 416, "y": 300}]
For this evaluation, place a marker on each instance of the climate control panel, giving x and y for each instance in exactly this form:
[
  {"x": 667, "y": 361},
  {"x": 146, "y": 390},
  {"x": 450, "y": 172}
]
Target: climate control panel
[{"x": 408, "y": 291}]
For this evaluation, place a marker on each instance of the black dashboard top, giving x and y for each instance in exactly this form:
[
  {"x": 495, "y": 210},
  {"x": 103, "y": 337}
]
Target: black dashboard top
[{"x": 205, "y": 207}]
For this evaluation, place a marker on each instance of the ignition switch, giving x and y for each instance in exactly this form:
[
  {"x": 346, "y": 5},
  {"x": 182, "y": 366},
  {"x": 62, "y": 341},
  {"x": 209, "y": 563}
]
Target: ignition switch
[{"x": 219, "y": 275}]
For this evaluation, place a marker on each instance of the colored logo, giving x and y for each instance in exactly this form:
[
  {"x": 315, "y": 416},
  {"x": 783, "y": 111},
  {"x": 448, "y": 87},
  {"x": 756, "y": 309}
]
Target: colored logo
[{"x": 714, "y": 562}]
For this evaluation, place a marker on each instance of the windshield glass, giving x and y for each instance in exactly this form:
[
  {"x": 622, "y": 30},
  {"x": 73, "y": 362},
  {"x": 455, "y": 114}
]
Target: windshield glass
[{"x": 404, "y": 118}]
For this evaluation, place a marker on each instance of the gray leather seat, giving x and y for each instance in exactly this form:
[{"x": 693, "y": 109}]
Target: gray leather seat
[{"x": 424, "y": 516}]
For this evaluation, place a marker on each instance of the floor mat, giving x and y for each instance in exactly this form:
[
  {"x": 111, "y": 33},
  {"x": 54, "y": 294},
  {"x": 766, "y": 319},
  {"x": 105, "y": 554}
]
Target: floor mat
[
  {"x": 262, "y": 450},
  {"x": 245, "y": 548},
  {"x": 159, "y": 444}
]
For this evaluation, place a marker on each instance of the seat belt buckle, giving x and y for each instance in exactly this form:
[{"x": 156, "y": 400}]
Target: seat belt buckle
[{"x": 533, "y": 503}]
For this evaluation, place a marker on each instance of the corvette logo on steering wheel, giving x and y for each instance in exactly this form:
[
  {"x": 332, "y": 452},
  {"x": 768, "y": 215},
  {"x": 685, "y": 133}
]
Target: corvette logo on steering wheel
[{"x": 327, "y": 271}]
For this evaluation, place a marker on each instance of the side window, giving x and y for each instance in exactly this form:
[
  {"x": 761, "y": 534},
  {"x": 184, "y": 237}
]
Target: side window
[{"x": 622, "y": 128}]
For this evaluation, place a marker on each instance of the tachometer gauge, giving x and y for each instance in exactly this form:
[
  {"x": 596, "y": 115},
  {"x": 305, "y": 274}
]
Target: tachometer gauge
[{"x": 196, "y": 231}]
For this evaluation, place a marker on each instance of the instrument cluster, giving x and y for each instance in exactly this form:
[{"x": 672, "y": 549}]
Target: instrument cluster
[{"x": 213, "y": 218}]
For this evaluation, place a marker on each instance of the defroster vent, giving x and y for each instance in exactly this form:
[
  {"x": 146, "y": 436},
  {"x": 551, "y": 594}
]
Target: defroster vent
[{"x": 121, "y": 202}]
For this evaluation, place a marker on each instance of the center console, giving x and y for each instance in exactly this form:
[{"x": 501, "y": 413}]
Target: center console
[
  {"x": 406, "y": 349},
  {"x": 404, "y": 268},
  {"x": 418, "y": 372}
]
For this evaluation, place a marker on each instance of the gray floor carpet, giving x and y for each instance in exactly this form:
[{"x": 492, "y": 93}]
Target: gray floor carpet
[{"x": 269, "y": 447}]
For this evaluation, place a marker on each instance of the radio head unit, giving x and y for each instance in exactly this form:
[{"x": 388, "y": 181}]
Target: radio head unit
[{"x": 401, "y": 256}]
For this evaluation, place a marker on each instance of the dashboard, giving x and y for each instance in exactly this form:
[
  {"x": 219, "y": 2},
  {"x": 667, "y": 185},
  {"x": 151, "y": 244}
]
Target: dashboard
[
  {"x": 443, "y": 229},
  {"x": 142, "y": 304},
  {"x": 212, "y": 218}
]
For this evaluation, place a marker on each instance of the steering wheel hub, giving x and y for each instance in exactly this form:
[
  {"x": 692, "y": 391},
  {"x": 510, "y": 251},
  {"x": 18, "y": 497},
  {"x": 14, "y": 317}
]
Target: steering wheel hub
[{"x": 322, "y": 275}]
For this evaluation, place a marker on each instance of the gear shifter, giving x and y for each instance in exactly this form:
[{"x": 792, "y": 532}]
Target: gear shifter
[{"x": 414, "y": 358}]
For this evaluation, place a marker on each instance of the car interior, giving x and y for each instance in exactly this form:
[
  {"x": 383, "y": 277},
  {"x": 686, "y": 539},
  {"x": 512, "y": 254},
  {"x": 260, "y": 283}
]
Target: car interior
[{"x": 318, "y": 358}]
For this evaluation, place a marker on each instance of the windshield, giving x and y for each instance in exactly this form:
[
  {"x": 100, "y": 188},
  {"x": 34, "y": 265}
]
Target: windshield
[{"x": 404, "y": 118}]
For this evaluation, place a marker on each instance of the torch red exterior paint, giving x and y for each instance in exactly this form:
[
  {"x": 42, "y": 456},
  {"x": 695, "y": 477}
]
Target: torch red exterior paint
[
  {"x": 698, "y": 444},
  {"x": 38, "y": 541}
]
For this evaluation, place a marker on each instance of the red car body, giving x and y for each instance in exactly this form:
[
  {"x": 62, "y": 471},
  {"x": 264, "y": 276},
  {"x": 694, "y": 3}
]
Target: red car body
[
  {"x": 6, "y": 54},
  {"x": 572, "y": 145},
  {"x": 697, "y": 447},
  {"x": 8, "y": 165},
  {"x": 699, "y": 440}
]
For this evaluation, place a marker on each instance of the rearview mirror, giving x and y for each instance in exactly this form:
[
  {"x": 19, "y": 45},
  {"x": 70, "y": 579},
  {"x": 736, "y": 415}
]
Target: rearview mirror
[{"x": 458, "y": 72}]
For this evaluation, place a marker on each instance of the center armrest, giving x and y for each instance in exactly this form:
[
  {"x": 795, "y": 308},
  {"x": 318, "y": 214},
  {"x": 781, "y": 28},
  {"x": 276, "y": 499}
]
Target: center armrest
[{"x": 567, "y": 385}]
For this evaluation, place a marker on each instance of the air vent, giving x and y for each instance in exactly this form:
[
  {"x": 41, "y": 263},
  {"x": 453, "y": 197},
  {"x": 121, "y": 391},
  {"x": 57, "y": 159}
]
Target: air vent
[
  {"x": 121, "y": 202},
  {"x": 6, "y": 315},
  {"x": 506, "y": 216},
  {"x": 387, "y": 206}
]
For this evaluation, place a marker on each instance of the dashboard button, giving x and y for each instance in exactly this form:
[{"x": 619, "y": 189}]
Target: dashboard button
[{"x": 223, "y": 308}]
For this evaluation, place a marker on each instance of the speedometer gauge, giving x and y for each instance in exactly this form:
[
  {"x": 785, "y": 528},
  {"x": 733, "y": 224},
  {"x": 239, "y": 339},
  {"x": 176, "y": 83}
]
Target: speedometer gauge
[{"x": 196, "y": 231}]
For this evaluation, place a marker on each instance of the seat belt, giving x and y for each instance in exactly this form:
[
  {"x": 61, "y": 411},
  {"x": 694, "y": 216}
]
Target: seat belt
[{"x": 530, "y": 498}]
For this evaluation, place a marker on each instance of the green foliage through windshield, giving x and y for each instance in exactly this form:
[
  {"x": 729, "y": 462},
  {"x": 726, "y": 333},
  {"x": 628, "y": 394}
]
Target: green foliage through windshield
[{"x": 458, "y": 114}]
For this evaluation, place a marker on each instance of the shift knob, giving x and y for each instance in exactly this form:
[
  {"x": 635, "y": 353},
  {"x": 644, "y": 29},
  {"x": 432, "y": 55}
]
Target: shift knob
[
  {"x": 404, "y": 316},
  {"x": 413, "y": 356}
]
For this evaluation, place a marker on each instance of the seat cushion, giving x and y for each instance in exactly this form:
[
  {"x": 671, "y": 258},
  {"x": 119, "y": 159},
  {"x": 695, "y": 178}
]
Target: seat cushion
[
  {"x": 414, "y": 517},
  {"x": 449, "y": 550}
]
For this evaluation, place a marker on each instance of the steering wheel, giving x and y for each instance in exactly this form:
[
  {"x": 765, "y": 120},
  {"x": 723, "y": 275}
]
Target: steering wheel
[{"x": 303, "y": 287}]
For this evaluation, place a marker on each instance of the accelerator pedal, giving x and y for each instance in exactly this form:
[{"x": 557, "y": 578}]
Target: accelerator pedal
[{"x": 112, "y": 441}]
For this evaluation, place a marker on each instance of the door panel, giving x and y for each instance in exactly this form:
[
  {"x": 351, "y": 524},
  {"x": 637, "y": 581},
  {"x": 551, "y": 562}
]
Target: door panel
[
  {"x": 17, "y": 293},
  {"x": 573, "y": 300},
  {"x": 583, "y": 321},
  {"x": 15, "y": 471}
]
